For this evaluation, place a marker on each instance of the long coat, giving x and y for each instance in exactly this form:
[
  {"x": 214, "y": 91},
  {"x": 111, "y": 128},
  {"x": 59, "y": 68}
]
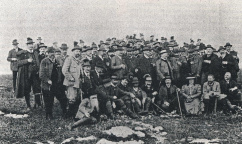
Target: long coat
[
  {"x": 196, "y": 64},
  {"x": 45, "y": 72},
  {"x": 13, "y": 54},
  {"x": 145, "y": 66},
  {"x": 25, "y": 72},
  {"x": 162, "y": 68},
  {"x": 72, "y": 68}
]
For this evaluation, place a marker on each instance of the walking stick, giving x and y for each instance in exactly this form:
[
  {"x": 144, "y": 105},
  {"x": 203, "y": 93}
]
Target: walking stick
[
  {"x": 159, "y": 108},
  {"x": 215, "y": 105},
  {"x": 179, "y": 102}
]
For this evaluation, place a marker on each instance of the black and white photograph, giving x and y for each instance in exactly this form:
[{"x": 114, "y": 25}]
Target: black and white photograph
[{"x": 120, "y": 72}]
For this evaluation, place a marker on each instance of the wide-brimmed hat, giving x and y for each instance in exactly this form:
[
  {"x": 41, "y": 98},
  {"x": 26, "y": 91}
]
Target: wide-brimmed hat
[
  {"x": 39, "y": 38},
  {"x": 29, "y": 40},
  {"x": 135, "y": 80},
  {"x": 190, "y": 76},
  {"x": 81, "y": 41},
  {"x": 162, "y": 38},
  {"x": 102, "y": 48},
  {"x": 86, "y": 62},
  {"x": 64, "y": 46},
  {"x": 108, "y": 39},
  {"x": 77, "y": 47},
  {"x": 163, "y": 51},
  {"x": 228, "y": 44},
  {"x": 104, "y": 81},
  {"x": 87, "y": 48},
  {"x": 209, "y": 46},
  {"x": 221, "y": 47},
  {"x": 15, "y": 42},
  {"x": 167, "y": 76}
]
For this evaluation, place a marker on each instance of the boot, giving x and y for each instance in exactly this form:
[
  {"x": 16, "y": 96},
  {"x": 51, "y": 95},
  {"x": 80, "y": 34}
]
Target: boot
[
  {"x": 206, "y": 106},
  {"x": 131, "y": 114},
  {"x": 147, "y": 105}
]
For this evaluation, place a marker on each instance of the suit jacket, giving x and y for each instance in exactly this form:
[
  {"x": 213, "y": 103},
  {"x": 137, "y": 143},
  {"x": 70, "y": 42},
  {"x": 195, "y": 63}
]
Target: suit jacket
[
  {"x": 96, "y": 80},
  {"x": 115, "y": 91},
  {"x": 163, "y": 95},
  {"x": 61, "y": 59},
  {"x": 230, "y": 67},
  {"x": 96, "y": 60},
  {"x": 45, "y": 72},
  {"x": 116, "y": 63},
  {"x": 145, "y": 67},
  {"x": 225, "y": 87},
  {"x": 194, "y": 91},
  {"x": 162, "y": 68},
  {"x": 13, "y": 54},
  {"x": 207, "y": 89},
  {"x": 213, "y": 67},
  {"x": 196, "y": 64},
  {"x": 86, "y": 85},
  {"x": 140, "y": 94},
  {"x": 86, "y": 107},
  {"x": 72, "y": 68}
]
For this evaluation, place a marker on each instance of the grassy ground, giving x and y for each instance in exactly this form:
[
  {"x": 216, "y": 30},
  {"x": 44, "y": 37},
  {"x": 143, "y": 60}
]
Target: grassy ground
[{"x": 36, "y": 128}]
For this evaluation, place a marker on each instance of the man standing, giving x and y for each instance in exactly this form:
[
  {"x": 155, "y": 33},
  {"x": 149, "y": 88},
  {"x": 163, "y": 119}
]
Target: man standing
[
  {"x": 195, "y": 62},
  {"x": 12, "y": 57},
  {"x": 36, "y": 46},
  {"x": 210, "y": 65},
  {"x": 28, "y": 67},
  {"x": 72, "y": 70},
  {"x": 228, "y": 63},
  {"x": 163, "y": 66},
  {"x": 118, "y": 64}
]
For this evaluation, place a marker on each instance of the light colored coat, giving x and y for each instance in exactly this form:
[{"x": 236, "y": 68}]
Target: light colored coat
[
  {"x": 207, "y": 90},
  {"x": 162, "y": 69},
  {"x": 72, "y": 68}
]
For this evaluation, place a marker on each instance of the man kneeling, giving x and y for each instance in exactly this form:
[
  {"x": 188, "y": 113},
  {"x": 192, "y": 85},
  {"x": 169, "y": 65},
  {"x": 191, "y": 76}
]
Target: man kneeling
[{"x": 88, "y": 111}]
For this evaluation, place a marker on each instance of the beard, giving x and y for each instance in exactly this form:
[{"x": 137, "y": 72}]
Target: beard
[{"x": 77, "y": 55}]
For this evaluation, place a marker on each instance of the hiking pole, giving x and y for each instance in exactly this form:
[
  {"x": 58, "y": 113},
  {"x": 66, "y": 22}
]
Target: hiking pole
[
  {"x": 179, "y": 102},
  {"x": 215, "y": 105},
  {"x": 159, "y": 108}
]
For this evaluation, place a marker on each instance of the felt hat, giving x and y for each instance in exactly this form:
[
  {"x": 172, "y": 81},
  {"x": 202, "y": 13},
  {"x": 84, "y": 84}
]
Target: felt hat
[
  {"x": 146, "y": 48},
  {"x": 209, "y": 46},
  {"x": 167, "y": 76},
  {"x": 86, "y": 62},
  {"x": 108, "y": 39},
  {"x": 104, "y": 81},
  {"x": 81, "y": 41},
  {"x": 15, "y": 42},
  {"x": 190, "y": 76},
  {"x": 77, "y": 47},
  {"x": 141, "y": 34},
  {"x": 163, "y": 51},
  {"x": 64, "y": 46},
  {"x": 221, "y": 47},
  {"x": 55, "y": 43},
  {"x": 50, "y": 50},
  {"x": 42, "y": 45},
  {"x": 29, "y": 40},
  {"x": 228, "y": 44},
  {"x": 162, "y": 38},
  {"x": 57, "y": 50},
  {"x": 135, "y": 80}
]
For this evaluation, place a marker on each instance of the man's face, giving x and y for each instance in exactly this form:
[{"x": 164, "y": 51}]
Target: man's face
[
  {"x": 168, "y": 82},
  {"x": 55, "y": 45},
  {"x": 210, "y": 79},
  {"x": 30, "y": 46},
  {"x": 111, "y": 54},
  {"x": 100, "y": 53},
  {"x": 51, "y": 55},
  {"x": 39, "y": 40},
  {"x": 15, "y": 46},
  {"x": 99, "y": 70},
  {"x": 171, "y": 48},
  {"x": 151, "y": 38},
  {"x": 64, "y": 52},
  {"x": 162, "y": 41},
  {"x": 146, "y": 53},
  {"x": 164, "y": 56},
  {"x": 77, "y": 53},
  {"x": 227, "y": 76},
  {"x": 89, "y": 53},
  {"x": 42, "y": 50},
  {"x": 124, "y": 82},
  {"x": 209, "y": 51},
  {"x": 87, "y": 69},
  {"x": 228, "y": 48},
  {"x": 81, "y": 44},
  {"x": 222, "y": 51}
]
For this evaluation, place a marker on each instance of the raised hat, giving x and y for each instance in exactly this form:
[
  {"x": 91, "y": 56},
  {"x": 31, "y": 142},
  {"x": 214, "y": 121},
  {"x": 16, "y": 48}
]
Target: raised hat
[
  {"x": 63, "y": 46},
  {"x": 191, "y": 40},
  {"x": 108, "y": 39},
  {"x": 39, "y": 38},
  {"x": 198, "y": 39},
  {"x": 15, "y": 42},
  {"x": 228, "y": 44},
  {"x": 29, "y": 40},
  {"x": 77, "y": 47},
  {"x": 75, "y": 43}
]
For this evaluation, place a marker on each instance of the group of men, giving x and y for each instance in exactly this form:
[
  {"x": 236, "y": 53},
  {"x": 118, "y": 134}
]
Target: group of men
[{"x": 133, "y": 76}]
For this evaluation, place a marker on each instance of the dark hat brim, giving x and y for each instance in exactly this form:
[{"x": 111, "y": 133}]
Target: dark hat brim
[{"x": 76, "y": 49}]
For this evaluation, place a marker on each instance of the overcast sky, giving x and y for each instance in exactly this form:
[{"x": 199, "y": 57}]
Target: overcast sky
[{"x": 215, "y": 22}]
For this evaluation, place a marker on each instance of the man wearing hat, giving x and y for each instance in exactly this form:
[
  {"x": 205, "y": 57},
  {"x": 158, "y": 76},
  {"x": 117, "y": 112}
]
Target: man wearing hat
[
  {"x": 98, "y": 74},
  {"x": 191, "y": 93},
  {"x": 117, "y": 94},
  {"x": 36, "y": 46},
  {"x": 12, "y": 58},
  {"x": 200, "y": 44},
  {"x": 195, "y": 62},
  {"x": 72, "y": 70},
  {"x": 81, "y": 43},
  {"x": 151, "y": 38},
  {"x": 28, "y": 69},
  {"x": 167, "y": 97},
  {"x": 99, "y": 58},
  {"x": 50, "y": 77},
  {"x": 163, "y": 66},
  {"x": 55, "y": 45},
  {"x": 144, "y": 65},
  {"x": 141, "y": 102},
  {"x": 228, "y": 63},
  {"x": 118, "y": 65},
  {"x": 88, "y": 111},
  {"x": 211, "y": 65},
  {"x": 191, "y": 46},
  {"x": 87, "y": 81},
  {"x": 88, "y": 51}
]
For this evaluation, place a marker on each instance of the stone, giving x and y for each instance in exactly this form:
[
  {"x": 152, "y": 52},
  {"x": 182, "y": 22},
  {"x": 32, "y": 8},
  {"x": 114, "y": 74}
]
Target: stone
[
  {"x": 159, "y": 139},
  {"x": 139, "y": 134},
  {"x": 86, "y": 138},
  {"x": 158, "y": 129},
  {"x": 104, "y": 141},
  {"x": 140, "y": 128},
  {"x": 123, "y": 132},
  {"x": 163, "y": 133},
  {"x": 203, "y": 141},
  {"x": 68, "y": 140}
]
